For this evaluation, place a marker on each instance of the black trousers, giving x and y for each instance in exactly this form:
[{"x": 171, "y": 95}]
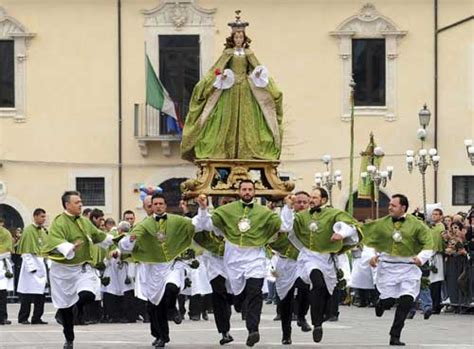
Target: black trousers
[
  {"x": 113, "y": 306},
  {"x": 320, "y": 299},
  {"x": 302, "y": 298},
  {"x": 141, "y": 308},
  {"x": 93, "y": 311},
  {"x": 3, "y": 305},
  {"x": 25, "y": 306},
  {"x": 285, "y": 308},
  {"x": 221, "y": 304},
  {"x": 159, "y": 313},
  {"x": 435, "y": 289},
  {"x": 405, "y": 303},
  {"x": 129, "y": 308},
  {"x": 67, "y": 314},
  {"x": 252, "y": 297}
]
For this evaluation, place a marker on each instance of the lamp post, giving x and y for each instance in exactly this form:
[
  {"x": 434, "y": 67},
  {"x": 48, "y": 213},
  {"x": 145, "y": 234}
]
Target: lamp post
[
  {"x": 328, "y": 179},
  {"x": 377, "y": 177},
  {"x": 424, "y": 158},
  {"x": 469, "y": 150}
]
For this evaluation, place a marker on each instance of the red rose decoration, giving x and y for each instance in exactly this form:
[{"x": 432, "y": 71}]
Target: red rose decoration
[{"x": 217, "y": 72}]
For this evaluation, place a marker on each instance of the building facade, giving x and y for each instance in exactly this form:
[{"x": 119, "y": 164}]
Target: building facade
[{"x": 73, "y": 111}]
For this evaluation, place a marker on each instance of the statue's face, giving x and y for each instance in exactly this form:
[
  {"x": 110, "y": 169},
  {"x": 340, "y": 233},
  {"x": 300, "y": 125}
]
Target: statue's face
[{"x": 239, "y": 39}]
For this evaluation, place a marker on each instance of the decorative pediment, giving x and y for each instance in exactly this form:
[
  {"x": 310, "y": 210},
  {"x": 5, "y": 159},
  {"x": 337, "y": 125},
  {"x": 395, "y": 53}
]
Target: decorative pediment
[
  {"x": 178, "y": 14},
  {"x": 368, "y": 23},
  {"x": 10, "y": 28}
]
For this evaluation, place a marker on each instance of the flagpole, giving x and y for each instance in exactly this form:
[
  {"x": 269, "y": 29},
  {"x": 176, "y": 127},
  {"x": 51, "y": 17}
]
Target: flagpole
[{"x": 351, "y": 156}]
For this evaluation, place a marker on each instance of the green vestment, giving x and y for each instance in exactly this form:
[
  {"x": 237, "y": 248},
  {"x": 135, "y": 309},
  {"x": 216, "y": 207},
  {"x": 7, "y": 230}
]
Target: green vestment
[
  {"x": 32, "y": 240},
  {"x": 415, "y": 236},
  {"x": 6, "y": 241},
  {"x": 263, "y": 224},
  {"x": 210, "y": 242},
  {"x": 319, "y": 240},
  {"x": 231, "y": 124},
  {"x": 66, "y": 228},
  {"x": 284, "y": 247},
  {"x": 161, "y": 242},
  {"x": 438, "y": 241}
]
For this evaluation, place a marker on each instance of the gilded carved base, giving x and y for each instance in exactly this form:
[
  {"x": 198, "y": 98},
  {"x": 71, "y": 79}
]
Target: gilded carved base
[{"x": 222, "y": 177}]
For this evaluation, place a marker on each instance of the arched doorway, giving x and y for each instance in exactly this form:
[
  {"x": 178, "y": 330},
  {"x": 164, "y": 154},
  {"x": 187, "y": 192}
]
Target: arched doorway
[
  {"x": 364, "y": 208},
  {"x": 12, "y": 218},
  {"x": 13, "y": 221},
  {"x": 172, "y": 191}
]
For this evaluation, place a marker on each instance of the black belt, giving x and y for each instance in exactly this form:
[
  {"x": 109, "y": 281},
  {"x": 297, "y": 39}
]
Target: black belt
[{"x": 393, "y": 262}]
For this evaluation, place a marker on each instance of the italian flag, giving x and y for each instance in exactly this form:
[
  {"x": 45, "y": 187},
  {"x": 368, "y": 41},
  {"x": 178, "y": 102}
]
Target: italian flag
[{"x": 158, "y": 97}]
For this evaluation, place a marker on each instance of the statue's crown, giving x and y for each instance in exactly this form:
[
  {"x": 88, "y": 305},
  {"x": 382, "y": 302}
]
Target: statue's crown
[{"x": 238, "y": 25}]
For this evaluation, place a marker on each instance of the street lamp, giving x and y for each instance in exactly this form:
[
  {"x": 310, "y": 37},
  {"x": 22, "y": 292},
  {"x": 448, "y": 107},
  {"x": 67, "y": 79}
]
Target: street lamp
[
  {"x": 328, "y": 179},
  {"x": 424, "y": 115},
  {"x": 469, "y": 150},
  {"x": 424, "y": 158},
  {"x": 378, "y": 177}
]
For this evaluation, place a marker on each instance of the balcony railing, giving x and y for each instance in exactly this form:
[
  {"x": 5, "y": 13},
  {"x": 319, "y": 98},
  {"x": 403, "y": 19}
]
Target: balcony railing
[{"x": 150, "y": 125}]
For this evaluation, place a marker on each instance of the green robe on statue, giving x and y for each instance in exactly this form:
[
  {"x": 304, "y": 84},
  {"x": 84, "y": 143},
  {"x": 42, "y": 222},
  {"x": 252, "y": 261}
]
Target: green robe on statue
[
  {"x": 242, "y": 122},
  {"x": 264, "y": 224},
  {"x": 178, "y": 235},
  {"x": 66, "y": 228},
  {"x": 415, "y": 236},
  {"x": 32, "y": 239}
]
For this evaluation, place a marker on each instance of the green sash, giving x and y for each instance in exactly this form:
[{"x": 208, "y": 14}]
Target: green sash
[
  {"x": 152, "y": 247},
  {"x": 315, "y": 230},
  {"x": 66, "y": 228},
  {"x": 32, "y": 240},
  {"x": 415, "y": 236},
  {"x": 263, "y": 224}
]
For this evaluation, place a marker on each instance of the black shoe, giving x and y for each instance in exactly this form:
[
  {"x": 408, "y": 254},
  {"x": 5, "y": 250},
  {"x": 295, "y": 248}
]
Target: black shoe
[
  {"x": 26, "y": 322},
  {"x": 277, "y": 317},
  {"x": 379, "y": 309},
  {"x": 396, "y": 341},
  {"x": 5, "y": 322},
  {"x": 194, "y": 318},
  {"x": 159, "y": 343},
  {"x": 318, "y": 334},
  {"x": 205, "y": 316},
  {"x": 305, "y": 327},
  {"x": 411, "y": 315},
  {"x": 254, "y": 337},
  {"x": 333, "y": 318},
  {"x": 286, "y": 340},
  {"x": 176, "y": 316},
  {"x": 427, "y": 314},
  {"x": 226, "y": 338},
  {"x": 39, "y": 322},
  {"x": 68, "y": 345}
]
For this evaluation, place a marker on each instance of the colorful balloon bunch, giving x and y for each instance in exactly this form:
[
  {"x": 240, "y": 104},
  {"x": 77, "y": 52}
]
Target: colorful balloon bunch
[{"x": 149, "y": 190}]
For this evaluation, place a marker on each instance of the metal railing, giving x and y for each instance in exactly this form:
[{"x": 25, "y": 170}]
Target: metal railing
[{"x": 150, "y": 123}]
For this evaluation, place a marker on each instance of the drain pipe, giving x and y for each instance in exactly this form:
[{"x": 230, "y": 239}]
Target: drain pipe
[{"x": 119, "y": 57}]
